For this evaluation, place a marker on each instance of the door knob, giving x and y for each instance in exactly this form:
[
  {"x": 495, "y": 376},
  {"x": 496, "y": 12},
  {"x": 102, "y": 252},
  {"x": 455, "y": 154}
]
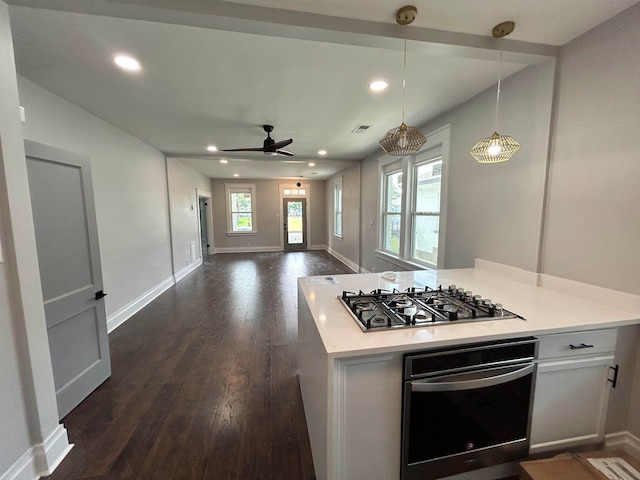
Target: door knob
[{"x": 100, "y": 294}]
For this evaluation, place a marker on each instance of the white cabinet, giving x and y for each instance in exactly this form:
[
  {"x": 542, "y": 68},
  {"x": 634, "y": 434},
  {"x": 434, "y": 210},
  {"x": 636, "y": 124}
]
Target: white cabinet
[{"x": 572, "y": 389}]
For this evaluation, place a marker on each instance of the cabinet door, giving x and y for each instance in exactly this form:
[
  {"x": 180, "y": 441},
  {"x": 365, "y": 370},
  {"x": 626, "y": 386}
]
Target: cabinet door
[{"x": 570, "y": 403}]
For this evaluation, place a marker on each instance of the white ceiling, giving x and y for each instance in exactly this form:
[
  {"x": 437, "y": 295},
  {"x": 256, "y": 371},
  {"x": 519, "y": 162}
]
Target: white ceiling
[{"x": 215, "y": 72}]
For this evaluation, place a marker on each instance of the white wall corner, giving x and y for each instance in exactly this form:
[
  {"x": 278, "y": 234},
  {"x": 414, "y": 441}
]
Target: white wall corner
[
  {"x": 352, "y": 265},
  {"x": 133, "y": 307},
  {"x": 48, "y": 455},
  {"x": 624, "y": 441}
]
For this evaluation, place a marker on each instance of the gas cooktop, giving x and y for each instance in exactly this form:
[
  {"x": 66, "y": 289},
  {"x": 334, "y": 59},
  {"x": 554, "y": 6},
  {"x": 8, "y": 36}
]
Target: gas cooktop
[{"x": 420, "y": 307}]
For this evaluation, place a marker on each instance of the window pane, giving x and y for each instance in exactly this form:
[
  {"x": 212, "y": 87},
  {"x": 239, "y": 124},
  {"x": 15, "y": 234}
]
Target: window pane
[
  {"x": 428, "y": 187},
  {"x": 425, "y": 238},
  {"x": 394, "y": 192},
  {"x": 302, "y": 192},
  {"x": 392, "y": 233},
  {"x": 241, "y": 222},
  {"x": 338, "y": 223},
  {"x": 287, "y": 191},
  {"x": 240, "y": 202}
]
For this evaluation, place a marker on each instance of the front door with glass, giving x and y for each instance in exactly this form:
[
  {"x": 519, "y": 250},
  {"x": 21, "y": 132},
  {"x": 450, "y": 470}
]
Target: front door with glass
[{"x": 295, "y": 223}]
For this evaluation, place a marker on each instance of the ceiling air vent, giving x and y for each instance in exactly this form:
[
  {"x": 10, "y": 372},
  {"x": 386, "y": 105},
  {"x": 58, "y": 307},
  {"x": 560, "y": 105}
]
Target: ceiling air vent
[{"x": 360, "y": 129}]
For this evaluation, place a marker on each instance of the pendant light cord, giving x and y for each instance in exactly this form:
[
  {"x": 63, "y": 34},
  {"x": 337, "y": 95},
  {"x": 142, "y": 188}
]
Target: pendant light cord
[
  {"x": 404, "y": 76},
  {"x": 498, "y": 91}
]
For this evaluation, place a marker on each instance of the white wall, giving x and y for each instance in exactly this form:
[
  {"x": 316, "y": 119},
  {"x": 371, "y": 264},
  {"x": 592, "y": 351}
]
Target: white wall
[
  {"x": 592, "y": 222},
  {"x": 130, "y": 188},
  {"x": 269, "y": 216},
  {"x": 494, "y": 211},
  {"x": 347, "y": 247},
  {"x": 29, "y": 429},
  {"x": 183, "y": 182}
]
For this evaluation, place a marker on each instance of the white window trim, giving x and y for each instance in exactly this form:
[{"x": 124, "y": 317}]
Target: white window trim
[
  {"x": 439, "y": 138},
  {"x": 229, "y": 188},
  {"x": 337, "y": 182}
]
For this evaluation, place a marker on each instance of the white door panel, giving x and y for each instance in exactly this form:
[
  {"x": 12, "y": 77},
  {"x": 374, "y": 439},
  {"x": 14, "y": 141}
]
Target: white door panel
[{"x": 69, "y": 259}]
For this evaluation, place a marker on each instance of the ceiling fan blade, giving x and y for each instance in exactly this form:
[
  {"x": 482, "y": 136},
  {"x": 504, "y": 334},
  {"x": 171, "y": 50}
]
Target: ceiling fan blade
[
  {"x": 281, "y": 144},
  {"x": 242, "y": 150},
  {"x": 286, "y": 153}
]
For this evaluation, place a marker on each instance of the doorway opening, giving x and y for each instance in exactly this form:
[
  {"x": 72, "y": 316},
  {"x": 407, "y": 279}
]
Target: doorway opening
[{"x": 205, "y": 223}]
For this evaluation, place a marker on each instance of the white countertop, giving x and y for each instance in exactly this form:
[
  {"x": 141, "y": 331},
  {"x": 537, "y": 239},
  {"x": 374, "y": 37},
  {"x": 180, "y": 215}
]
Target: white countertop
[{"x": 546, "y": 310}]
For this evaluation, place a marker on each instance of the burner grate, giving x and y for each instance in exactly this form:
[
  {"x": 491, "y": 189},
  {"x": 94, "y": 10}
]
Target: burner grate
[{"x": 416, "y": 307}]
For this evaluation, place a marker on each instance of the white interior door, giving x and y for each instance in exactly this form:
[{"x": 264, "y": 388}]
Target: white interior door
[{"x": 69, "y": 259}]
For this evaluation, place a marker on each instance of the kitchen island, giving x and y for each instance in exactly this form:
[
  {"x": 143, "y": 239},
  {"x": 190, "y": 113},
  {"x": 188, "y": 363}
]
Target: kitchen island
[{"x": 351, "y": 380}]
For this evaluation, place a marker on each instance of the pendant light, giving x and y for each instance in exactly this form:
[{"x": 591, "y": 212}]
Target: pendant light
[
  {"x": 497, "y": 148},
  {"x": 403, "y": 140}
]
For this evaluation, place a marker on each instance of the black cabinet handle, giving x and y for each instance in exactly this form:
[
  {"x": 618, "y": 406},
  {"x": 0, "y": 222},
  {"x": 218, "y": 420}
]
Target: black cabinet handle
[
  {"x": 100, "y": 294},
  {"x": 578, "y": 347}
]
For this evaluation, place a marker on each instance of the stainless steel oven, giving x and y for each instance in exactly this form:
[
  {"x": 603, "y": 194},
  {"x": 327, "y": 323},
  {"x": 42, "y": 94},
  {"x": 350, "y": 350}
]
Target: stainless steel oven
[{"x": 466, "y": 407}]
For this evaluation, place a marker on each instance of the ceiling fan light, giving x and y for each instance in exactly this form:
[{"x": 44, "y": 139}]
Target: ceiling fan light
[
  {"x": 403, "y": 140},
  {"x": 494, "y": 149}
]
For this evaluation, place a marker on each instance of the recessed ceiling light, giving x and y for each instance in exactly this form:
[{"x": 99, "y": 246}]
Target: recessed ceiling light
[
  {"x": 236, "y": 174},
  {"x": 224, "y": 160},
  {"x": 322, "y": 152},
  {"x": 127, "y": 63},
  {"x": 378, "y": 85},
  {"x": 212, "y": 148},
  {"x": 312, "y": 164}
]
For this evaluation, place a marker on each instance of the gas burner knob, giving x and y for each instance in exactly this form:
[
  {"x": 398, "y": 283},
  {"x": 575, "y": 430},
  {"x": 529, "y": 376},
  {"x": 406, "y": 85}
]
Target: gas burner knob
[
  {"x": 460, "y": 291},
  {"x": 486, "y": 301},
  {"x": 498, "y": 307},
  {"x": 452, "y": 288},
  {"x": 468, "y": 294},
  {"x": 477, "y": 298}
]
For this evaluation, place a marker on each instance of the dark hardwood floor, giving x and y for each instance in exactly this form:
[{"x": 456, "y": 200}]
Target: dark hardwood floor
[{"x": 204, "y": 382}]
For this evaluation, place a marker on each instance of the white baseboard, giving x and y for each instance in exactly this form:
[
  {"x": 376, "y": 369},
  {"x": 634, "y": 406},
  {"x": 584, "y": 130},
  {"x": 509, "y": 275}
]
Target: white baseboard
[
  {"x": 48, "y": 455},
  {"x": 22, "y": 469},
  {"x": 180, "y": 274},
  {"x": 41, "y": 459},
  {"x": 352, "y": 265},
  {"x": 625, "y": 441},
  {"x": 364, "y": 270},
  {"x": 248, "y": 249},
  {"x": 318, "y": 247},
  {"x": 125, "y": 313}
]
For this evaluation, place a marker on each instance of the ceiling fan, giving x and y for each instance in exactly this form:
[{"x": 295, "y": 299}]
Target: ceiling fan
[{"x": 269, "y": 147}]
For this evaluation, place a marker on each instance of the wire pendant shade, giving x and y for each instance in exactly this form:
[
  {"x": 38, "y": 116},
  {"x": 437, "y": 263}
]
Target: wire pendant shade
[
  {"x": 403, "y": 140},
  {"x": 495, "y": 149}
]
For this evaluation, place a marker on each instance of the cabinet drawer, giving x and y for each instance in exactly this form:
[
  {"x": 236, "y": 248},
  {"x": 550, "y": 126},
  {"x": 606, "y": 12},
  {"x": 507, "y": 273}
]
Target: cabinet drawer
[{"x": 584, "y": 343}]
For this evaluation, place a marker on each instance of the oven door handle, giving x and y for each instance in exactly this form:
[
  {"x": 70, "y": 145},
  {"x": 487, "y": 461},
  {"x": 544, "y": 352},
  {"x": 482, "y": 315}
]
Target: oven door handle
[{"x": 477, "y": 379}]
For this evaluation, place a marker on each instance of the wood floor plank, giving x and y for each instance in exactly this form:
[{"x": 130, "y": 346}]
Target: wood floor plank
[{"x": 204, "y": 382}]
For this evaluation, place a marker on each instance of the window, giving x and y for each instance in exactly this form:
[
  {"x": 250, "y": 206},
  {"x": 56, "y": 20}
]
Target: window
[
  {"x": 337, "y": 207},
  {"x": 392, "y": 212},
  {"x": 413, "y": 205},
  {"x": 241, "y": 216},
  {"x": 426, "y": 211}
]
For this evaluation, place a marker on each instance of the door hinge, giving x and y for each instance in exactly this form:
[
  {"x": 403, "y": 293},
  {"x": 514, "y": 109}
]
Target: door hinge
[
  {"x": 614, "y": 380},
  {"x": 100, "y": 294}
]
